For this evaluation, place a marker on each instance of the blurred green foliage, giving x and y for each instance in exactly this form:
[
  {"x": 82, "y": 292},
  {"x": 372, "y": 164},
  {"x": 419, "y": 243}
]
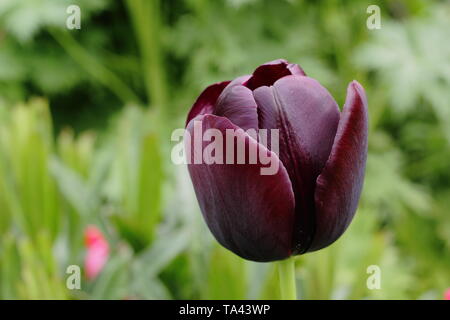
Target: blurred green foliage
[{"x": 96, "y": 148}]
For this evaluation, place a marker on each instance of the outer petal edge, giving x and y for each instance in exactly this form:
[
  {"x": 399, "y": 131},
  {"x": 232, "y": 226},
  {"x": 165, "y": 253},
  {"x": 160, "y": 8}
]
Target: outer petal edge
[
  {"x": 205, "y": 102},
  {"x": 340, "y": 184}
]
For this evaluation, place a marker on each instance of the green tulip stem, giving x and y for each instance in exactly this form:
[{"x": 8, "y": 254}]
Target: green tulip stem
[{"x": 286, "y": 271}]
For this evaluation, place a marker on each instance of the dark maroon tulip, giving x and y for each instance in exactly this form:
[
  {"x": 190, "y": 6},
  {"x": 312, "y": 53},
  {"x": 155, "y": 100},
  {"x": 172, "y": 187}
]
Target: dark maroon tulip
[{"x": 312, "y": 198}]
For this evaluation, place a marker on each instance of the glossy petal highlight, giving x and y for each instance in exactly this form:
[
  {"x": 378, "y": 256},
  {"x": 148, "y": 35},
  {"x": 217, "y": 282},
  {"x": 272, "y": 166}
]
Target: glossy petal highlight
[
  {"x": 206, "y": 101},
  {"x": 248, "y": 213},
  {"x": 268, "y": 73},
  {"x": 238, "y": 105}
]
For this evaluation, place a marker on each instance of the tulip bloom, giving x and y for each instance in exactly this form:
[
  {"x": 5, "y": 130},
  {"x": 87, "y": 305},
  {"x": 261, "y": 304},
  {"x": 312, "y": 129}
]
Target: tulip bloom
[
  {"x": 312, "y": 198},
  {"x": 97, "y": 252}
]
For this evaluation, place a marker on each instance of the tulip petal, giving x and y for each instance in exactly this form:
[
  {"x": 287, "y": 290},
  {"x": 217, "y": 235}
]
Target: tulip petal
[
  {"x": 307, "y": 117},
  {"x": 238, "y": 105},
  {"x": 206, "y": 101},
  {"x": 268, "y": 73},
  {"x": 239, "y": 81},
  {"x": 339, "y": 185},
  {"x": 313, "y": 114},
  {"x": 248, "y": 213}
]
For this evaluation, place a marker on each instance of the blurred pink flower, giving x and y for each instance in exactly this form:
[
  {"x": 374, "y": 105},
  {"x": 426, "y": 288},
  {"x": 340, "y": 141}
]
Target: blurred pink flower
[
  {"x": 97, "y": 251},
  {"x": 447, "y": 294}
]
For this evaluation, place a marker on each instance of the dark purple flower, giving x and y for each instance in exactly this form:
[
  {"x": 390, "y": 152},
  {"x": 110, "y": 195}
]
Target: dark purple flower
[
  {"x": 312, "y": 198},
  {"x": 97, "y": 252}
]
